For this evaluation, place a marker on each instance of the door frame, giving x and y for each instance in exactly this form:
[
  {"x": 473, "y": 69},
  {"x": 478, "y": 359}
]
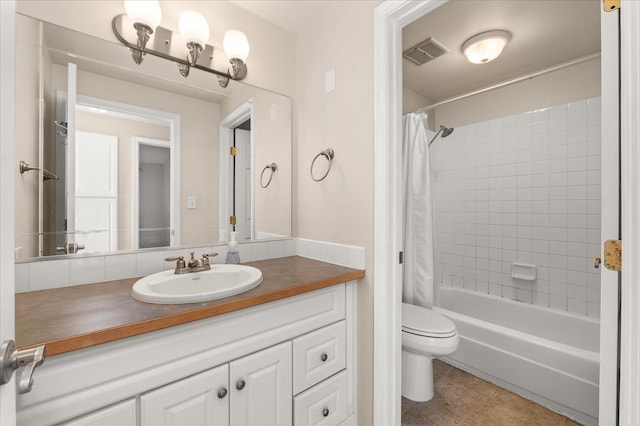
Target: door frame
[
  {"x": 7, "y": 195},
  {"x": 225, "y": 172},
  {"x": 630, "y": 155},
  {"x": 135, "y": 186},
  {"x": 389, "y": 19},
  {"x": 151, "y": 116}
]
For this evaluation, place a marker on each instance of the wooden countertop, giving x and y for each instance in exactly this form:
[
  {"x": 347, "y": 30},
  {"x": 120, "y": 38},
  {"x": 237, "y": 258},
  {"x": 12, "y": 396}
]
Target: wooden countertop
[{"x": 70, "y": 318}]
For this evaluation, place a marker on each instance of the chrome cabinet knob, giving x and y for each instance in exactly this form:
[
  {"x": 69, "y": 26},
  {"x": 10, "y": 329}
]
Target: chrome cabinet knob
[
  {"x": 324, "y": 357},
  {"x": 222, "y": 392},
  {"x": 325, "y": 412},
  {"x": 240, "y": 384}
]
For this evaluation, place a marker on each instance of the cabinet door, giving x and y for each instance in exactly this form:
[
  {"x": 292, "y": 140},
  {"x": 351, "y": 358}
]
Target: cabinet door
[
  {"x": 122, "y": 414},
  {"x": 261, "y": 391},
  {"x": 197, "y": 400}
]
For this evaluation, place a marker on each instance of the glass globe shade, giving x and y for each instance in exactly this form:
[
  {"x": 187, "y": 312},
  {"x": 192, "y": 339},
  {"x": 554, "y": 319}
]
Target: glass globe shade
[
  {"x": 236, "y": 45},
  {"x": 194, "y": 28},
  {"x": 145, "y": 12}
]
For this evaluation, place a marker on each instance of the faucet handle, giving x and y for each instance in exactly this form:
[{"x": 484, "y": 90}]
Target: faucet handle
[
  {"x": 173, "y": 259},
  {"x": 209, "y": 254}
]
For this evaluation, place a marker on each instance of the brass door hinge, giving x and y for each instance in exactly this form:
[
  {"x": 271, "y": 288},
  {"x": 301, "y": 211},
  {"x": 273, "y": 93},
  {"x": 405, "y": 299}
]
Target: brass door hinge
[
  {"x": 610, "y": 5},
  {"x": 233, "y": 151},
  {"x": 613, "y": 255},
  {"x": 232, "y": 220}
]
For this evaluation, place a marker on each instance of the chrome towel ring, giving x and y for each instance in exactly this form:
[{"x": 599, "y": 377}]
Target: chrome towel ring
[
  {"x": 328, "y": 154},
  {"x": 273, "y": 167}
]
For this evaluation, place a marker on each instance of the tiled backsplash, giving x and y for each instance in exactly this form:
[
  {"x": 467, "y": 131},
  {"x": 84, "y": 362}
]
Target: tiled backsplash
[
  {"x": 42, "y": 274},
  {"x": 523, "y": 188}
]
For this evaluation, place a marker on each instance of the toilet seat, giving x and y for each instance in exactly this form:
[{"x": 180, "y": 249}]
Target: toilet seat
[{"x": 424, "y": 322}]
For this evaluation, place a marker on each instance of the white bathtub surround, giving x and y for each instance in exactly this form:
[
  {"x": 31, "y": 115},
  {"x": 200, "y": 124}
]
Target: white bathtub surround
[
  {"x": 418, "y": 268},
  {"x": 50, "y": 273},
  {"x": 522, "y": 189},
  {"x": 547, "y": 356}
]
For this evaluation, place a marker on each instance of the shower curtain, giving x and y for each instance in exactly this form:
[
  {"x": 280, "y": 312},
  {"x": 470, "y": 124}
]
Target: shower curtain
[{"x": 418, "y": 213}]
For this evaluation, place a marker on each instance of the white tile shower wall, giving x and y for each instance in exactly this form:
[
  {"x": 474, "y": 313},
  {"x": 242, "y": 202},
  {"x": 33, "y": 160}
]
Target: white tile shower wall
[
  {"x": 54, "y": 273},
  {"x": 523, "y": 188}
]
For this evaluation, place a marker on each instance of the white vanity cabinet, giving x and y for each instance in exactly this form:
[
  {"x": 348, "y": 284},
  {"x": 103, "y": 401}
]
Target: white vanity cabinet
[
  {"x": 290, "y": 361},
  {"x": 121, "y": 414},
  {"x": 201, "y": 399}
]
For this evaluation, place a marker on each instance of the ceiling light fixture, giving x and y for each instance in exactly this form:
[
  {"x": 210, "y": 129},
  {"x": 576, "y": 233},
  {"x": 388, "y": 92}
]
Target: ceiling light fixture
[
  {"x": 485, "y": 47},
  {"x": 145, "y": 16}
]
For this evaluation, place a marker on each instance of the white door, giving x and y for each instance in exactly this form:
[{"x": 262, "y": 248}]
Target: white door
[
  {"x": 70, "y": 171},
  {"x": 243, "y": 188},
  {"x": 7, "y": 196},
  {"x": 199, "y": 400},
  {"x": 609, "y": 217},
  {"x": 96, "y": 192},
  {"x": 261, "y": 389}
]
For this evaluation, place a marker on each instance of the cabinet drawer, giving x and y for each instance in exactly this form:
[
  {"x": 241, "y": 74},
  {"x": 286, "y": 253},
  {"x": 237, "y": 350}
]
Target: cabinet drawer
[
  {"x": 318, "y": 355},
  {"x": 323, "y": 404}
]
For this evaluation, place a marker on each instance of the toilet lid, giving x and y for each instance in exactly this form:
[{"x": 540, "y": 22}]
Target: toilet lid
[{"x": 425, "y": 322}]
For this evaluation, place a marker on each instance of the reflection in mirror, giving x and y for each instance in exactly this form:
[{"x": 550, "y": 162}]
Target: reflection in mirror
[{"x": 143, "y": 155}]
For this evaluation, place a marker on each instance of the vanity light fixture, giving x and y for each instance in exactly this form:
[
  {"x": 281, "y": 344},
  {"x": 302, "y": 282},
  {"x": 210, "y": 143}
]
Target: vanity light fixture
[
  {"x": 485, "y": 47},
  {"x": 145, "y": 16},
  {"x": 195, "y": 32}
]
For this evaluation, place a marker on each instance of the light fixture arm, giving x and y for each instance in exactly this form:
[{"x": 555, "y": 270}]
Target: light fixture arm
[{"x": 184, "y": 65}]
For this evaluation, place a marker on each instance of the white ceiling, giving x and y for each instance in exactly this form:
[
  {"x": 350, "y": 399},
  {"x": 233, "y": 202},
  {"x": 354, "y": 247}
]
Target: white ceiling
[
  {"x": 290, "y": 15},
  {"x": 544, "y": 33}
]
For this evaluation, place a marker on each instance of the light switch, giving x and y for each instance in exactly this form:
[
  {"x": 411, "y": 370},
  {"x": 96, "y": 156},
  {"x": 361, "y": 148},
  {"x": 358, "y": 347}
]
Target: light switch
[
  {"x": 330, "y": 80},
  {"x": 191, "y": 202}
]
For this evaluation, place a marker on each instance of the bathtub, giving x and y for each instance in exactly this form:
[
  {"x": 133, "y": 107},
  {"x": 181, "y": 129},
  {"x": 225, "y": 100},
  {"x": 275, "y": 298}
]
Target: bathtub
[{"x": 548, "y": 356}]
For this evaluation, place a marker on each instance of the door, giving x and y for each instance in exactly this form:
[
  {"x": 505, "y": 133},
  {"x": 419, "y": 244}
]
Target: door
[
  {"x": 7, "y": 193},
  {"x": 199, "y": 400},
  {"x": 96, "y": 192},
  {"x": 610, "y": 217},
  {"x": 70, "y": 154},
  {"x": 243, "y": 184},
  {"x": 261, "y": 389}
]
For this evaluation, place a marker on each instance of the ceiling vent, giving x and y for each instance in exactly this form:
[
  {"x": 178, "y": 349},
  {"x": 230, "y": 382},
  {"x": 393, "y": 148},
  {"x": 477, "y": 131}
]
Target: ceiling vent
[{"x": 425, "y": 51}]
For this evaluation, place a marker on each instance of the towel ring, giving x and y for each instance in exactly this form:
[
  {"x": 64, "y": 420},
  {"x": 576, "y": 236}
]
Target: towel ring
[
  {"x": 328, "y": 154},
  {"x": 273, "y": 167}
]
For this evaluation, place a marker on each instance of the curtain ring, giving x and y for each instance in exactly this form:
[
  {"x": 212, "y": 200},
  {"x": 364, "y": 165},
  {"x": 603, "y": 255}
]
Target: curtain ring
[
  {"x": 273, "y": 167},
  {"x": 328, "y": 154}
]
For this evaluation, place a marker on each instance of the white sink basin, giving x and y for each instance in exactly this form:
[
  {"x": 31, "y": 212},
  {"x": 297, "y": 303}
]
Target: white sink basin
[{"x": 221, "y": 281}]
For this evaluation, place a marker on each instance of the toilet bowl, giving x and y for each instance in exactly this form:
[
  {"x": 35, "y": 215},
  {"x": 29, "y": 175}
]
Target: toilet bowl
[{"x": 425, "y": 334}]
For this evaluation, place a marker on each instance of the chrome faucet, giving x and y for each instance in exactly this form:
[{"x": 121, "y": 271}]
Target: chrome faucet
[{"x": 194, "y": 265}]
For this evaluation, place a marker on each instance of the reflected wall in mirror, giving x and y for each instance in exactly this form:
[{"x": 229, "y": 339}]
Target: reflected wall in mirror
[{"x": 142, "y": 154}]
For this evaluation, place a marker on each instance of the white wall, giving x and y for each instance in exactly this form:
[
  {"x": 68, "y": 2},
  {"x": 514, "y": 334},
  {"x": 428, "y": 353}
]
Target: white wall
[
  {"x": 523, "y": 188},
  {"x": 340, "y": 208},
  {"x": 569, "y": 84}
]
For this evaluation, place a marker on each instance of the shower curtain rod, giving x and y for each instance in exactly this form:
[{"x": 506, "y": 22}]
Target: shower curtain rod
[{"x": 511, "y": 81}]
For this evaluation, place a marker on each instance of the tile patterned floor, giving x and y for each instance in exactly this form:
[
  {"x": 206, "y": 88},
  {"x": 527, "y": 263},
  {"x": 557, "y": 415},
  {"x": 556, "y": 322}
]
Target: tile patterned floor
[{"x": 463, "y": 399}]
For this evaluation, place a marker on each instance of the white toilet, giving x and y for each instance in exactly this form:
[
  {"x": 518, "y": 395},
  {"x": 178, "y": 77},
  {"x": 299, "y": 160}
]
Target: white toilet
[{"x": 425, "y": 334}]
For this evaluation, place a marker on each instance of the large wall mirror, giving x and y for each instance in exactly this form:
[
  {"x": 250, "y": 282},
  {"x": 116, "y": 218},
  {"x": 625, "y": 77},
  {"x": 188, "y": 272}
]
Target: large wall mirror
[{"x": 117, "y": 156}]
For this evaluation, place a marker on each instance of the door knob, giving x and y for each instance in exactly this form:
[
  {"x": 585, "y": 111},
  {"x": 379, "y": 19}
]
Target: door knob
[{"x": 12, "y": 359}]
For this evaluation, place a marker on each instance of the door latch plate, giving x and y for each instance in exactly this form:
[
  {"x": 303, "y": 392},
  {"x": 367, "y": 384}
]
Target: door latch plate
[{"x": 613, "y": 255}]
